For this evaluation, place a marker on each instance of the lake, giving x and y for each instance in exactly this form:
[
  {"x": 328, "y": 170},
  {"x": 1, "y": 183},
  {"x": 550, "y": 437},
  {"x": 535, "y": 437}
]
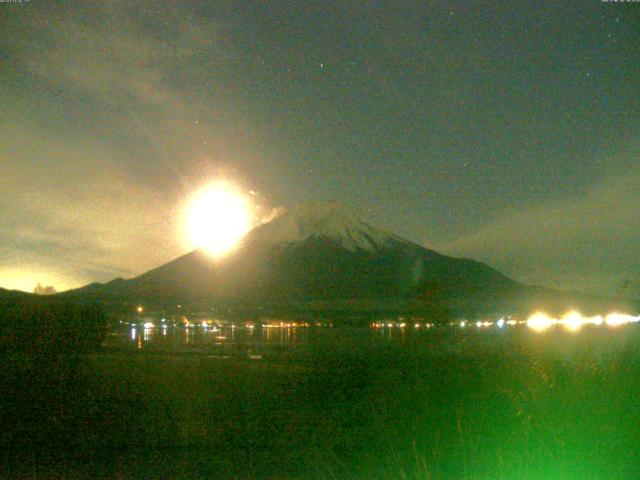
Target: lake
[
  {"x": 276, "y": 343},
  {"x": 446, "y": 402}
]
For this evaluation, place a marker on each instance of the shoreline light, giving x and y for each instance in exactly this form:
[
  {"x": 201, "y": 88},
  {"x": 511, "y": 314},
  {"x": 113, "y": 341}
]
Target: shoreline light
[
  {"x": 574, "y": 320},
  {"x": 540, "y": 321},
  {"x": 614, "y": 319}
]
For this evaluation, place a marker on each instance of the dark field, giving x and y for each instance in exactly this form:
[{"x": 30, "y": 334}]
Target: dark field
[{"x": 449, "y": 403}]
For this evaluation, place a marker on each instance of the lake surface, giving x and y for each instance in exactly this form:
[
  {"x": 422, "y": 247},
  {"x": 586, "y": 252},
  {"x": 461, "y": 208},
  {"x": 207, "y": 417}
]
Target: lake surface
[
  {"x": 441, "y": 403},
  {"x": 264, "y": 343}
]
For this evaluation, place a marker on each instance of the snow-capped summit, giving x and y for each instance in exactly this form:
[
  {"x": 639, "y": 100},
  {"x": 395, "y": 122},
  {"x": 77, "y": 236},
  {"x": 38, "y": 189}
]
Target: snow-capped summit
[
  {"x": 322, "y": 220},
  {"x": 321, "y": 258}
]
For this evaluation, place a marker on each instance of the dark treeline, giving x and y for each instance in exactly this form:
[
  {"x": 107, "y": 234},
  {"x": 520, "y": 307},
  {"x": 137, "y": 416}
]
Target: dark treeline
[
  {"x": 50, "y": 326},
  {"x": 48, "y": 403}
]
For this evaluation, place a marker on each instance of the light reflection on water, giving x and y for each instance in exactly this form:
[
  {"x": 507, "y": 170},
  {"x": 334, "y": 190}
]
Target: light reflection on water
[{"x": 278, "y": 342}]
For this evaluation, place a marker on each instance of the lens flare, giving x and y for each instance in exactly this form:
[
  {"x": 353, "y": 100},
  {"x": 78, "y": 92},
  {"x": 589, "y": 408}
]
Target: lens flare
[{"x": 218, "y": 217}]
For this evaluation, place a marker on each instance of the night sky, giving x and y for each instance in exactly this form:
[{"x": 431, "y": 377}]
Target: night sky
[{"x": 506, "y": 132}]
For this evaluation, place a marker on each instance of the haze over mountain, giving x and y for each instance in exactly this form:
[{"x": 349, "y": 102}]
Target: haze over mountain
[{"x": 321, "y": 257}]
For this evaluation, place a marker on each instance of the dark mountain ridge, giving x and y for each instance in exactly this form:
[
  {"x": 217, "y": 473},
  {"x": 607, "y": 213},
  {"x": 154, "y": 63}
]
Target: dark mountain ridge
[{"x": 320, "y": 257}]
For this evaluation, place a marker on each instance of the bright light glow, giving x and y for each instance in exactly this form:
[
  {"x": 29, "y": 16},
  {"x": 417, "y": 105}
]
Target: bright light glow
[
  {"x": 481, "y": 324},
  {"x": 614, "y": 319},
  {"x": 540, "y": 321},
  {"x": 149, "y": 325},
  {"x": 573, "y": 321},
  {"x": 218, "y": 217},
  {"x": 500, "y": 323},
  {"x": 26, "y": 276},
  {"x": 139, "y": 309}
]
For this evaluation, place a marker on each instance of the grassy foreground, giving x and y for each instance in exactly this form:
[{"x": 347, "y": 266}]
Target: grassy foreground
[{"x": 351, "y": 411}]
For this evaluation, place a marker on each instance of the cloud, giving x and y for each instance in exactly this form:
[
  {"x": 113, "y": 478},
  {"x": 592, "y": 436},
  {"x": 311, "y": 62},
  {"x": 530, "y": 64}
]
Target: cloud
[
  {"x": 586, "y": 241},
  {"x": 77, "y": 216},
  {"x": 108, "y": 70},
  {"x": 76, "y": 203},
  {"x": 110, "y": 53},
  {"x": 272, "y": 214}
]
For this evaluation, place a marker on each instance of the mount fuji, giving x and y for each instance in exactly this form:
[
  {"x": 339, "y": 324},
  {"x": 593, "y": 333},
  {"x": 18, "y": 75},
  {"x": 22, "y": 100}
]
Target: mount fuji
[{"x": 322, "y": 258}]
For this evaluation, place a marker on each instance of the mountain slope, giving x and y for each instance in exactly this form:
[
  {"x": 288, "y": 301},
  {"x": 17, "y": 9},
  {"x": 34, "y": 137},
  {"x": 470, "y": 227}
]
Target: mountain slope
[{"x": 322, "y": 257}]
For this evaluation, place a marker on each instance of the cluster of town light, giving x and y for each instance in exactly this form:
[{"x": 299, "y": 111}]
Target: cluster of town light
[
  {"x": 539, "y": 321},
  {"x": 574, "y": 320},
  {"x": 501, "y": 322},
  {"x": 400, "y": 325},
  {"x": 214, "y": 326}
]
